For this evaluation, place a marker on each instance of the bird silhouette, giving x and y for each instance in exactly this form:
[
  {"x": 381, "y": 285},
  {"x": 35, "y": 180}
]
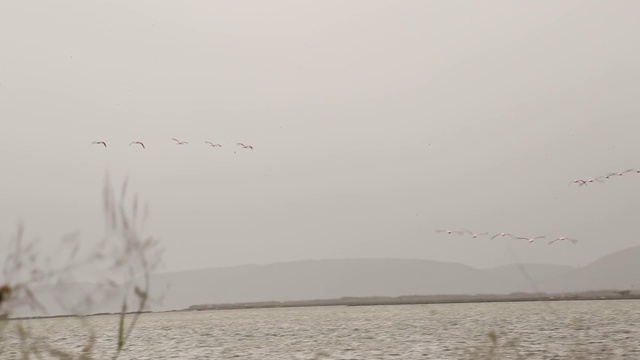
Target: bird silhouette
[
  {"x": 138, "y": 143},
  {"x": 245, "y": 146}
]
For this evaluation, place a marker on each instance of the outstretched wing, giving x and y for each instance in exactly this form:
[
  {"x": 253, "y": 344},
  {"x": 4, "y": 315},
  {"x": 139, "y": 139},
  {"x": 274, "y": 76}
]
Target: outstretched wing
[
  {"x": 580, "y": 182},
  {"x": 451, "y": 231}
]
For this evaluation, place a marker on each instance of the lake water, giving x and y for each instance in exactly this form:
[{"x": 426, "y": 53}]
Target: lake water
[{"x": 526, "y": 330}]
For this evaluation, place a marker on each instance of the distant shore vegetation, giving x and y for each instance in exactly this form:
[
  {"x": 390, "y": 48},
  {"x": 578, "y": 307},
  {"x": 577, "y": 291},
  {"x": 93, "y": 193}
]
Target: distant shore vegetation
[{"x": 428, "y": 299}]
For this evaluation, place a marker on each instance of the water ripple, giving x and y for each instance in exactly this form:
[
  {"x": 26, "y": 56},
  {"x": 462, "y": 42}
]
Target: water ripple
[{"x": 526, "y": 330}]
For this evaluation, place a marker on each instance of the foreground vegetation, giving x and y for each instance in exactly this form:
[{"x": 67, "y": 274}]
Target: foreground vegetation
[{"x": 119, "y": 263}]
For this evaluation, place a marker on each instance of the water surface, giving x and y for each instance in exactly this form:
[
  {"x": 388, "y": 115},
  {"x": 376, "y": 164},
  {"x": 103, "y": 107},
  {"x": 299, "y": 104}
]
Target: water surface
[{"x": 527, "y": 330}]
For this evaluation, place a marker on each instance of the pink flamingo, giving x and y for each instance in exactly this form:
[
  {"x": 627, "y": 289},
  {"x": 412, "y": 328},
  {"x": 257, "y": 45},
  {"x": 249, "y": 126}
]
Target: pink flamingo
[
  {"x": 449, "y": 232},
  {"x": 598, "y": 179},
  {"x": 580, "y": 182},
  {"x": 475, "y": 235},
  {"x": 620, "y": 173},
  {"x": 530, "y": 240},
  {"x": 563, "y": 238},
  {"x": 502, "y": 234}
]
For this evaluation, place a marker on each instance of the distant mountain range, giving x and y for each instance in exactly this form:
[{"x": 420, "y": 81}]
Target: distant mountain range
[
  {"x": 336, "y": 278},
  {"x": 332, "y": 278}
]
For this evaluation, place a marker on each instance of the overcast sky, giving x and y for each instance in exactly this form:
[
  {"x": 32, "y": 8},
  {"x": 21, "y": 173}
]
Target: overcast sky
[{"x": 374, "y": 122}]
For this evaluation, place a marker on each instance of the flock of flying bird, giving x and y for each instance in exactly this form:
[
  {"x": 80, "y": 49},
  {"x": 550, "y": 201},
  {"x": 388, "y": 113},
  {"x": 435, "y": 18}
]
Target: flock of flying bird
[
  {"x": 178, "y": 142},
  {"x": 579, "y": 182},
  {"x": 601, "y": 179},
  {"x": 505, "y": 234}
]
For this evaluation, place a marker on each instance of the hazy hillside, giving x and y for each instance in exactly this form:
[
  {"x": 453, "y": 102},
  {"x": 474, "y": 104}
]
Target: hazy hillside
[
  {"x": 332, "y": 278},
  {"x": 317, "y": 279},
  {"x": 322, "y": 279},
  {"x": 528, "y": 277},
  {"x": 620, "y": 270}
]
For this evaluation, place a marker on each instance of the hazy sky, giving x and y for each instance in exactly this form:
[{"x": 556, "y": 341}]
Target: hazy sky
[{"x": 374, "y": 123}]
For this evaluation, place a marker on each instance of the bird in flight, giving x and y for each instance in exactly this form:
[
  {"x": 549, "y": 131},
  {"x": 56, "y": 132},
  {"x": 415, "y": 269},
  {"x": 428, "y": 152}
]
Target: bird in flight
[
  {"x": 580, "y": 182},
  {"x": 212, "y": 144},
  {"x": 502, "y": 234},
  {"x": 563, "y": 238},
  {"x": 620, "y": 173},
  {"x": 475, "y": 235},
  {"x": 598, "y": 179},
  {"x": 449, "y": 232},
  {"x": 245, "y": 146},
  {"x": 138, "y": 143},
  {"x": 530, "y": 240},
  {"x": 178, "y": 142},
  {"x": 99, "y": 143}
]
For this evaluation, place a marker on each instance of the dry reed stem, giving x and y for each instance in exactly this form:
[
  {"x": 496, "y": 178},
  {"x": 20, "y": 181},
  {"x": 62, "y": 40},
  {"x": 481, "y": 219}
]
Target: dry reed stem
[{"x": 124, "y": 259}]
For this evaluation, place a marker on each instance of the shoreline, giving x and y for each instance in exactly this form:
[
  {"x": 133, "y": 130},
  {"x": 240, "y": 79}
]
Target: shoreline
[
  {"x": 423, "y": 300},
  {"x": 384, "y": 301}
]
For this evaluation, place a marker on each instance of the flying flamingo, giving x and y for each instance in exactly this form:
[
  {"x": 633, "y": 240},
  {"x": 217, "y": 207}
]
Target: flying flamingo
[
  {"x": 475, "y": 235},
  {"x": 178, "y": 142},
  {"x": 449, "y": 232},
  {"x": 212, "y": 144},
  {"x": 502, "y": 234},
  {"x": 563, "y": 238},
  {"x": 100, "y": 143},
  {"x": 138, "y": 143},
  {"x": 620, "y": 173},
  {"x": 530, "y": 240},
  {"x": 245, "y": 146},
  {"x": 580, "y": 182},
  {"x": 598, "y": 179}
]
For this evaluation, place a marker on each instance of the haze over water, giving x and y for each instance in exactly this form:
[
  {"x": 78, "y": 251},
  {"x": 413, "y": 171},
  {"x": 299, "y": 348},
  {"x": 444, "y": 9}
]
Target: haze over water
[{"x": 372, "y": 122}]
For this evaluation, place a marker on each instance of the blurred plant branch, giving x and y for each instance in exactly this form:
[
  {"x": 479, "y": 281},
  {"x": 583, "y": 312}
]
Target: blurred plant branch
[{"x": 122, "y": 261}]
